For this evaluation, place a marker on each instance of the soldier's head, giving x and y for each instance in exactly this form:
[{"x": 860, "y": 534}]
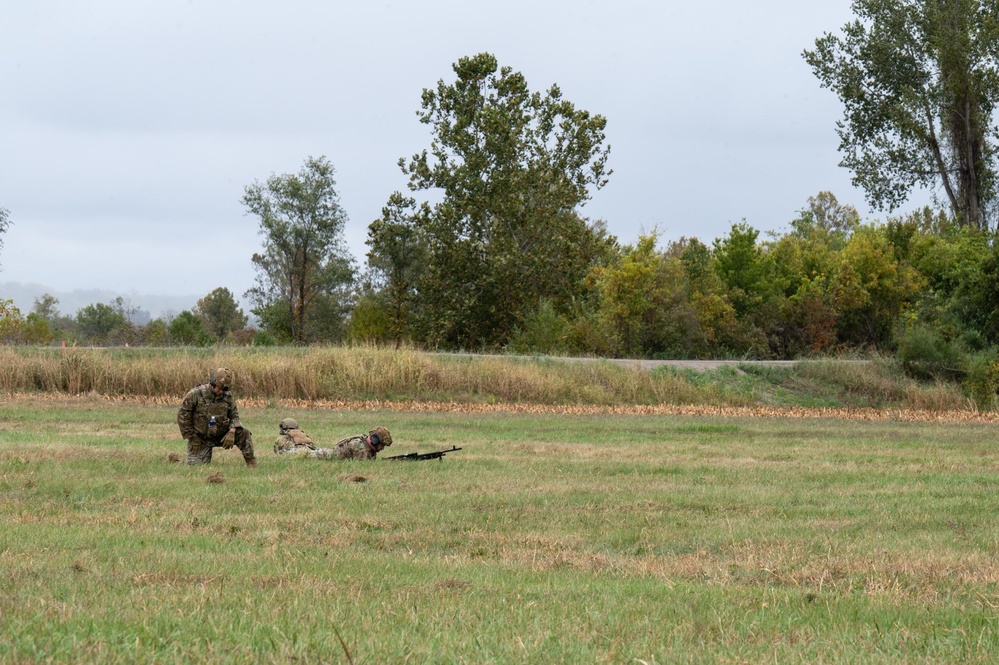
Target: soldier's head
[
  {"x": 221, "y": 380},
  {"x": 287, "y": 424},
  {"x": 380, "y": 438}
]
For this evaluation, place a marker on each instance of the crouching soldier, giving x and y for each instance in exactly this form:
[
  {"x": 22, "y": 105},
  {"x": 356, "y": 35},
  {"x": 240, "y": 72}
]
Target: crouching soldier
[
  {"x": 208, "y": 417},
  {"x": 292, "y": 440}
]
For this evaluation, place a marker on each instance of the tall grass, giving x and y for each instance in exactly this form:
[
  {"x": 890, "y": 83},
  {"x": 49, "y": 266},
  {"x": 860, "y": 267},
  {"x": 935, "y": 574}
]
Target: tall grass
[{"x": 372, "y": 373}]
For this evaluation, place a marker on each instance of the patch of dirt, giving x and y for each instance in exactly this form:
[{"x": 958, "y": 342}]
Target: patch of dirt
[
  {"x": 353, "y": 478},
  {"x": 215, "y": 478}
]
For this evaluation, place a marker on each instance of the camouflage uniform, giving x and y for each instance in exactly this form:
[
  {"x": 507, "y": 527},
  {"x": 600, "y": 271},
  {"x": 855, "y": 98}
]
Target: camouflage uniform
[
  {"x": 205, "y": 419},
  {"x": 294, "y": 441},
  {"x": 353, "y": 447}
]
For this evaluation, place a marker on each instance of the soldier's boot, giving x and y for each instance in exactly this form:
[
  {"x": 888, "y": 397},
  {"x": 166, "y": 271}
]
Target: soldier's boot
[{"x": 251, "y": 461}]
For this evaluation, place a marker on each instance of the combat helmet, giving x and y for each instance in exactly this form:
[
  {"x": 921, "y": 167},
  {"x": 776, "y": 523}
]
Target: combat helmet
[
  {"x": 222, "y": 377},
  {"x": 287, "y": 424},
  {"x": 380, "y": 435}
]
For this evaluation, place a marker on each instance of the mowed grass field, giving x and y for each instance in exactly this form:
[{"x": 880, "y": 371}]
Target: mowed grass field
[{"x": 549, "y": 538}]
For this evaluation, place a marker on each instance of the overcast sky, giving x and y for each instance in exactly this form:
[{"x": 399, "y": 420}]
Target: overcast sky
[{"x": 129, "y": 130}]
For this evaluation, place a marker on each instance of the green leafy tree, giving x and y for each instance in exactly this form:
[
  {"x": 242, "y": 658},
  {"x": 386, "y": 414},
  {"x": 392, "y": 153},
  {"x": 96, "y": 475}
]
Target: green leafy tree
[
  {"x": 543, "y": 331},
  {"x": 825, "y": 214},
  {"x": 370, "y": 320},
  {"x": 872, "y": 288},
  {"x": 304, "y": 262},
  {"x": 643, "y": 303},
  {"x": 97, "y": 323},
  {"x": 187, "y": 329},
  {"x": 397, "y": 259},
  {"x": 11, "y": 323},
  {"x": 919, "y": 81},
  {"x": 37, "y": 329},
  {"x": 155, "y": 333},
  {"x": 47, "y": 322},
  {"x": 742, "y": 266},
  {"x": 805, "y": 265},
  {"x": 511, "y": 168},
  {"x": 275, "y": 321},
  {"x": 718, "y": 331},
  {"x": 954, "y": 262},
  {"x": 220, "y": 313}
]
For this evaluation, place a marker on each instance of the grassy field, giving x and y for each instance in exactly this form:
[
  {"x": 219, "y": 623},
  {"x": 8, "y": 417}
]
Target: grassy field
[{"x": 550, "y": 538}]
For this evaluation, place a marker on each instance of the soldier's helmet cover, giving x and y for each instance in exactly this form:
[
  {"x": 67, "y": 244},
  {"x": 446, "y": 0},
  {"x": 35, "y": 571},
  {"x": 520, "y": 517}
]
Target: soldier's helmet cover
[
  {"x": 288, "y": 423},
  {"x": 380, "y": 435},
  {"x": 222, "y": 377}
]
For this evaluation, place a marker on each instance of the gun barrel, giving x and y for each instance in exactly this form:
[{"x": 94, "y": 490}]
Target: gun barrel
[{"x": 437, "y": 454}]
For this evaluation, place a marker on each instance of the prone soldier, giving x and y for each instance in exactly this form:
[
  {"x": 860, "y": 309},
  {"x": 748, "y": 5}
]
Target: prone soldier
[{"x": 293, "y": 441}]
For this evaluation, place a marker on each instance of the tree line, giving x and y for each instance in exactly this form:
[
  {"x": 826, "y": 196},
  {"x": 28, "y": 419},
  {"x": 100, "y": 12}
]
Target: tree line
[{"x": 489, "y": 248}]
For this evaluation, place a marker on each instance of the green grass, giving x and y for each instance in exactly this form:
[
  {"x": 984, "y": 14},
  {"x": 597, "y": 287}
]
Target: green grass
[{"x": 547, "y": 539}]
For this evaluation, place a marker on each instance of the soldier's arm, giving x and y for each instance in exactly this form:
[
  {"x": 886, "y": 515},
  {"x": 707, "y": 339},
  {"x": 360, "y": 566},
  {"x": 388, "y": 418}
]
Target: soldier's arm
[
  {"x": 185, "y": 416},
  {"x": 234, "y": 415}
]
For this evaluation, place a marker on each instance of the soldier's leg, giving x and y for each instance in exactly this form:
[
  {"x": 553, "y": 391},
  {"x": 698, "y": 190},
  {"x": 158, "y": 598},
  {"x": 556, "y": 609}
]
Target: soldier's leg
[
  {"x": 199, "y": 451},
  {"x": 244, "y": 441},
  {"x": 324, "y": 453}
]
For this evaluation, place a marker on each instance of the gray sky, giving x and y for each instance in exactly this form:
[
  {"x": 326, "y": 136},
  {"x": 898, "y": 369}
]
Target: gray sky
[{"x": 129, "y": 130}]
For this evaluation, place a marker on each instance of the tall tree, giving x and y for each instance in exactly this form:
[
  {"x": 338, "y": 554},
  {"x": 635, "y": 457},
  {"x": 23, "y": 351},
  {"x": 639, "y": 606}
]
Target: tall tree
[
  {"x": 98, "y": 322},
  {"x": 304, "y": 260},
  {"x": 187, "y": 329},
  {"x": 4, "y": 224},
  {"x": 220, "y": 313},
  {"x": 45, "y": 306},
  {"x": 511, "y": 167},
  {"x": 919, "y": 80},
  {"x": 740, "y": 263},
  {"x": 397, "y": 259}
]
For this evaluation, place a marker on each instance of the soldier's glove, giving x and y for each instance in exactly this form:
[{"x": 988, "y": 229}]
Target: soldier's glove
[{"x": 229, "y": 440}]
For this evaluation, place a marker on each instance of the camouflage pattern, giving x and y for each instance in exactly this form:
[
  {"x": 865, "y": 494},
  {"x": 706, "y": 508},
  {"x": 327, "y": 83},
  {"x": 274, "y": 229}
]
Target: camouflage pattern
[
  {"x": 194, "y": 418},
  {"x": 293, "y": 440},
  {"x": 222, "y": 376},
  {"x": 382, "y": 434},
  {"x": 353, "y": 447}
]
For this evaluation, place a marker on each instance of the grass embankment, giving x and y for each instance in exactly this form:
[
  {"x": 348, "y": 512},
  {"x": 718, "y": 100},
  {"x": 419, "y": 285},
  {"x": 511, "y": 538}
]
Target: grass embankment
[
  {"x": 548, "y": 539},
  {"x": 384, "y": 375}
]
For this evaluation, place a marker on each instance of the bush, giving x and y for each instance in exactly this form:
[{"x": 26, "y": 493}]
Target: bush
[
  {"x": 982, "y": 379},
  {"x": 925, "y": 353},
  {"x": 264, "y": 338},
  {"x": 543, "y": 331}
]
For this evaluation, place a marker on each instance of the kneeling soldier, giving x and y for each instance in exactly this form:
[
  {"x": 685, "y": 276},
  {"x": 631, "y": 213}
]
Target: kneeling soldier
[{"x": 208, "y": 417}]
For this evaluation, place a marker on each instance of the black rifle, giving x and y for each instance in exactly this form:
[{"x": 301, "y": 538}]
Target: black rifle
[{"x": 416, "y": 457}]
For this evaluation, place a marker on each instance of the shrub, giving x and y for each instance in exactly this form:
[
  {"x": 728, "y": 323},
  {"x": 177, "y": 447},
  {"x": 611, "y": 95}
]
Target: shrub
[{"x": 925, "y": 353}]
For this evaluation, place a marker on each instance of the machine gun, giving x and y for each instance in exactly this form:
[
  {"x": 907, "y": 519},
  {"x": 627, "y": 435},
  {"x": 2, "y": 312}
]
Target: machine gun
[{"x": 416, "y": 457}]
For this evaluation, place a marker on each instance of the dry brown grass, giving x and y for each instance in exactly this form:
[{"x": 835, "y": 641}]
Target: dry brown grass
[
  {"x": 353, "y": 374},
  {"x": 965, "y": 415}
]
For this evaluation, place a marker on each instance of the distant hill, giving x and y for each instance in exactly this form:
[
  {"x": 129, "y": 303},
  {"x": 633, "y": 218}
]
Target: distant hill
[{"x": 149, "y": 306}]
